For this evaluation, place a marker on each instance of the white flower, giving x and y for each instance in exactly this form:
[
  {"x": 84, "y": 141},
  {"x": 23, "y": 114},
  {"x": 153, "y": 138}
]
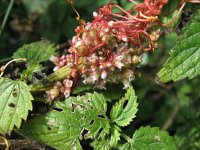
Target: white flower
[
  {"x": 118, "y": 62},
  {"x": 56, "y": 68},
  {"x": 68, "y": 83},
  {"x": 104, "y": 74},
  {"x": 111, "y": 23},
  {"x": 95, "y": 14},
  {"x": 126, "y": 84}
]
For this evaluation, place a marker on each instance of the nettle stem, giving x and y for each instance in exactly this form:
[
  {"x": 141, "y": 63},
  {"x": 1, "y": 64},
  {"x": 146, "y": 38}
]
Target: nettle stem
[{"x": 127, "y": 138}]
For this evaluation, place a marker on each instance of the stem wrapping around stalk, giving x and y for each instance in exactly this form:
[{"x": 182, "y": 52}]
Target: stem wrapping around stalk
[
  {"x": 62, "y": 73},
  {"x": 40, "y": 88}
]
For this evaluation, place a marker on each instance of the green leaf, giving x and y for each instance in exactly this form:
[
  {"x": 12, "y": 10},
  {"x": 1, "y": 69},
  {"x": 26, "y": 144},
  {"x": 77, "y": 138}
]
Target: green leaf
[
  {"x": 109, "y": 141},
  {"x": 62, "y": 127},
  {"x": 15, "y": 102},
  {"x": 35, "y": 52},
  {"x": 147, "y": 138},
  {"x": 122, "y": 113},
  {"x": 169, "y": 13},
  {"x": 187, "y": 136},
  {"x": 27, "y": 74},
  {"x": 184, "y": 58},
  {"x": 82, "y": 88}
]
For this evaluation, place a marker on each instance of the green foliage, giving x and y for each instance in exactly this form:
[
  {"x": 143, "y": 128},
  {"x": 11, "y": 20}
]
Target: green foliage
[
  {"x": 35, "y": 52},
  {"x": 15, "y": 103},
  {"x": 169, "y": 13},
  {"x": 82, "y": 88},
  {"x": 122, "y": 113},
  {"x": 109, "y": 141},
  {"x": 188, "y": 137},
  {"x": 150, "y": 138},
  {"x": 185, "y": 56},
  {"x": 27, "y": 74},
  {"x": 62, "y": 126}
]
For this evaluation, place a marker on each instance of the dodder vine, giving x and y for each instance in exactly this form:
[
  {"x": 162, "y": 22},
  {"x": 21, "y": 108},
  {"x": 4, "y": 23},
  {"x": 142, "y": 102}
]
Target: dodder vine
[{"x": 109, "y": 48}]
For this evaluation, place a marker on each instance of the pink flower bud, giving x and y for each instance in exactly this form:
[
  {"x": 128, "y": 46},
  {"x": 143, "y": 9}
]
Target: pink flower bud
[{"x": 68, "y": 83}]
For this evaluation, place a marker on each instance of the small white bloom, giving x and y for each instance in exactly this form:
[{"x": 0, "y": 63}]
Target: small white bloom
[
  {"x": 108, "y": 64},
  {"x": 111, "y": 23},
  {"x": 78, "y": 43},
  {"x": 125, "y": 38},
  {"x": 106, "y": 30},
  {"x": 126, "y": 84},
  {"x": 104, "y": 74},
  {"x": 118, "y": 61},
  {"x": 73, "y": 39},
  {"x": 95, "y": 76},
  {"x": 68, "y": 83},
  {"x": 61, "y": 63},
  {"x": 95, "y": 14},
  {"x": 56, "y": 68},
  {"x": 53, "y": 58}
]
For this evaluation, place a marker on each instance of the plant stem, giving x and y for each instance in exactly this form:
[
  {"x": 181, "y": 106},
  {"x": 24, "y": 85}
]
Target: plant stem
[
  {"x": 61, "y": 74},
  {"x": 40, "y": 88},
  {"x": 171, "y": 118},
  {"x": 127, "y": 138},
  {"x": 6, "y": 17},
  {"x": 5, "y": 141},
  {"x": 173, "y": 113},
  {"x": 22, "y": 144}
]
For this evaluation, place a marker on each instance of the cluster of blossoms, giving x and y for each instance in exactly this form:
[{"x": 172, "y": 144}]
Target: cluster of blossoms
[{"x": 109, "y": 48}]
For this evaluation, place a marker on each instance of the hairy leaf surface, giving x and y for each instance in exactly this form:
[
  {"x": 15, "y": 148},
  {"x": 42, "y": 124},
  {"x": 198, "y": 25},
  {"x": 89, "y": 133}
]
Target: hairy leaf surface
[
  {"x": 109, "y": 141},
  {"x": 150, "y": 138},
  {"x": 123, "y": 113},
  {"x": 184, "y": 58},
  {"x": 15, "y": 102},
  {"x": 35, "y": 52},
  {"x": 63, "y": 126}
]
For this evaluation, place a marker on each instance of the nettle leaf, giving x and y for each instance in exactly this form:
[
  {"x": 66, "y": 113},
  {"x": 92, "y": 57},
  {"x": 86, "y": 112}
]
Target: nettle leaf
[
  {"x": 81, "y": 88},
  {"x": 15, "y": 102},
  {"x": 109, "y": 141},
  {"x": 150, "y": 138},
  {"x": 169, "y": 13},
  {"x": 184, "y": 58},
  {"x": 122, "y": 114},
  {"x": 27, "y": 74},
  {"x": 35, "y": 52},
  {"x": 63, "y": 126}
]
